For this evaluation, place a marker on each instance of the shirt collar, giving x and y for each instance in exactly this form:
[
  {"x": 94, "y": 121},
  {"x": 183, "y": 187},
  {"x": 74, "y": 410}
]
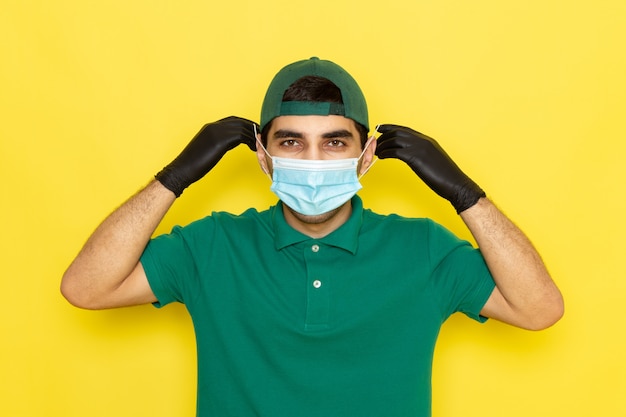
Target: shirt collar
[{"x": 345, "y": 237}]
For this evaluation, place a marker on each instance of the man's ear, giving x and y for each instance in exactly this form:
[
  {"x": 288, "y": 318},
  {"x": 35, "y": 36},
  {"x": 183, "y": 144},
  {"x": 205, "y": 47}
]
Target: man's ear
[
  {"x": 368, "y": 156},
  {"x": 261, "y": 155}
]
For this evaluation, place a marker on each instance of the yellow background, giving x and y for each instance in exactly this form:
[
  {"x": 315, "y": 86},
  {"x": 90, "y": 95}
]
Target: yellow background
[{"x": 528, "y": 98}]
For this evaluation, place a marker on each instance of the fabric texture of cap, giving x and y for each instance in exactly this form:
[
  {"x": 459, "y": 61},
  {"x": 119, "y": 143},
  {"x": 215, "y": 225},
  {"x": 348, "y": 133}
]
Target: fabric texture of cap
[{"x": 354, "y": 106}]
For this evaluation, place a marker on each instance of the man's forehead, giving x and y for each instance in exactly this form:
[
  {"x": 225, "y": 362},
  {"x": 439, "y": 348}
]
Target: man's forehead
[{"x": 313, "y": 125}]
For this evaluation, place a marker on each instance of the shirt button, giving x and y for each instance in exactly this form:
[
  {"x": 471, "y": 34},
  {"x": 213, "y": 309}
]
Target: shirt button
[
  {"x": 315, "y": 248},
  {"x": 317, "y": 283}
]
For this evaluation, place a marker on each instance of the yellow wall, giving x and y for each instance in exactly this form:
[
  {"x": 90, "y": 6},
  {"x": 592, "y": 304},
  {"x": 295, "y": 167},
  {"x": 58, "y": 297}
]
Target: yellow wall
[{"x": 528, "y": 97}]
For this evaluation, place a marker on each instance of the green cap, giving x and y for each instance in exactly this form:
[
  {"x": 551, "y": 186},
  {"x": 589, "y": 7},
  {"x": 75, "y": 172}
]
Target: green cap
[{"x": 354, "y": 106}]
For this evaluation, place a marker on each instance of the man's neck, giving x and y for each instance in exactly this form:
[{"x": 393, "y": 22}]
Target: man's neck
[{"x": 318, "y": 226}]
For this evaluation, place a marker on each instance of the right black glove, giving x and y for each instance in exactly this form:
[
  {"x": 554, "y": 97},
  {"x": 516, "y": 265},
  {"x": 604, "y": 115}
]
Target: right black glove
[
  {"x": 205, "y": 150},
  {"x": 430, "y": 162}
]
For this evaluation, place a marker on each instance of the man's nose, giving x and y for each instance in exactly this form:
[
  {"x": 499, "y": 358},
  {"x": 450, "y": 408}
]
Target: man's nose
[{"x": 312, "y": 152}]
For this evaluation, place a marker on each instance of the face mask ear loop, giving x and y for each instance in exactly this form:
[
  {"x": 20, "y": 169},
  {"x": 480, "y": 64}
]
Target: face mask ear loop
[
  {"x": 264, "y": 150},
  {"x": 367, "y": 144}
]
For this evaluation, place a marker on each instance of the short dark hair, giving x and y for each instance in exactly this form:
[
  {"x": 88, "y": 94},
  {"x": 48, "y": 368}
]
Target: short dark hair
[{"x": 316, "y": 89}]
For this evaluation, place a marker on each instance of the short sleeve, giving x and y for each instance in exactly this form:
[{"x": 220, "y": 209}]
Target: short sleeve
[
  {"x": 461, "y": 279},
  {"x": 168, "y": 264}
]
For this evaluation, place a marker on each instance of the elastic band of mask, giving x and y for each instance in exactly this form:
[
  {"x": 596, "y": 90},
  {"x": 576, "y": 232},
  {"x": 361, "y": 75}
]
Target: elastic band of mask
[
  {"x": 369, "y": 141},
  {"x": 256, "y": 136}
]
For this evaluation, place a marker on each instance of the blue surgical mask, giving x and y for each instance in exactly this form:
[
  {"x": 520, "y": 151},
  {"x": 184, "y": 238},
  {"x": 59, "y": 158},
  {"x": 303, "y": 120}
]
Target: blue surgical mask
[{"x": 313, "y": 187}]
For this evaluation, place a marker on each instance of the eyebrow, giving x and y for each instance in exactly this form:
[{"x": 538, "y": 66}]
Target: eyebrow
[
  {"x": 342, "y": 133},
  {"x": 285, "y": 133}
]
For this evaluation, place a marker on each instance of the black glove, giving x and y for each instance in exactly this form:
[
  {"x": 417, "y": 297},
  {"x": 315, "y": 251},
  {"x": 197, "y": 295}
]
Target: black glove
[
  {"x": 430, "y": 163},
  {"x": 205, "y": 150}
]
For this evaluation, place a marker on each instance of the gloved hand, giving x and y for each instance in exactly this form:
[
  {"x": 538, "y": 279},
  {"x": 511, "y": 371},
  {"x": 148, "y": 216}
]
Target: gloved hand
[
  {"x": 205, "y": 150},
  {"x": 430, "y": 162}
]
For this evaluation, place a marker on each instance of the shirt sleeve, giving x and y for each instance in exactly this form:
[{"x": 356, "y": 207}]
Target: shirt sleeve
[
  {"x": 461, "y": 278},
  {"x": 169, "y": 266}
]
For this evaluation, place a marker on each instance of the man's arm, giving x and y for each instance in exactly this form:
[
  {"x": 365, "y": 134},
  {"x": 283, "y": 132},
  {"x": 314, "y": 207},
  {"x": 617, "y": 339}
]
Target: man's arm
[
  {"x": 525, "y": 295},
  {"x": 107, "y": 272}
]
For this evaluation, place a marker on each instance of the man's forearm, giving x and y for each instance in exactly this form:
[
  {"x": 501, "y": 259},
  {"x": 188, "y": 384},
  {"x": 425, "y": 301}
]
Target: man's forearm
[
  {"x": 113, "y": 251},
  {"x": 529, "y": 295}
]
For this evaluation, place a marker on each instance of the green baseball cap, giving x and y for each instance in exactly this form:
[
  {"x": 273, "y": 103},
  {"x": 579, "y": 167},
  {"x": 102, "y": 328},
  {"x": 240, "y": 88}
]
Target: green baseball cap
[{"x": 354, "y": 106}]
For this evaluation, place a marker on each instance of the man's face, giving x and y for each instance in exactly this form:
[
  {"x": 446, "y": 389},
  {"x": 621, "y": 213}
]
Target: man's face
[{"x": 313, "y": 137}]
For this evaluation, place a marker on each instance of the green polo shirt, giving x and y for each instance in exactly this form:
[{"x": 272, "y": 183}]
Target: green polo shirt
[{"x": 287, "y": 325}]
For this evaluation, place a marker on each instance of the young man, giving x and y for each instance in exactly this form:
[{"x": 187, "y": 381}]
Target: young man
[{"x": 317, "y": 306}]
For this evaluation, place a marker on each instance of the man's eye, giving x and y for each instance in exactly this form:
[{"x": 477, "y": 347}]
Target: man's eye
[
  {"x": 336, "y": 143},
  {"x": 289, "y": 143}
]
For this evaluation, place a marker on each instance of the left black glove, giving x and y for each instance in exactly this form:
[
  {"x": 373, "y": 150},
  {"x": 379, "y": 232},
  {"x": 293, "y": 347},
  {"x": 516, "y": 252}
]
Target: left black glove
[
  {"x": 430, "y": 162},
  {"x": 205, "y": 150}
]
